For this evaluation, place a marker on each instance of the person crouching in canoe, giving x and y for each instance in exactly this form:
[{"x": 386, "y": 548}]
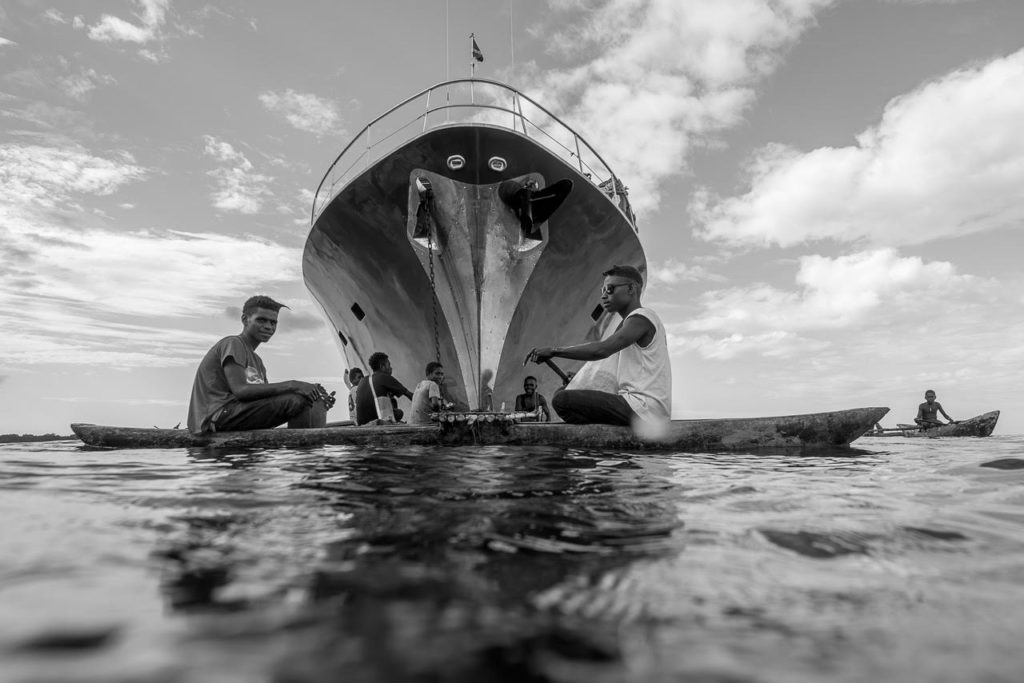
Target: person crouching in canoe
[
  {"x": 628, "y": 378},
  {"x": 928, "y": 412},
  {"x": 231, "y": 391}
]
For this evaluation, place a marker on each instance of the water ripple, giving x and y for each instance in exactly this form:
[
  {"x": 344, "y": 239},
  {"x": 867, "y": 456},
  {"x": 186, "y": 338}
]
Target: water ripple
[{"x": 901, "y": 563}]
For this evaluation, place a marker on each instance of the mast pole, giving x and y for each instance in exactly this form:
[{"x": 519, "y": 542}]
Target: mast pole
[{"x": 511, "y": 35}]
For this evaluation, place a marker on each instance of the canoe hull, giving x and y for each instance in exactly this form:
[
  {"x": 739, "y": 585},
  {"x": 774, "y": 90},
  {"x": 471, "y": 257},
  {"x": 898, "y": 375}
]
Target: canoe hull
[
  {"x": 809, "y": 431},
  {"x": 979, "y": 425}
]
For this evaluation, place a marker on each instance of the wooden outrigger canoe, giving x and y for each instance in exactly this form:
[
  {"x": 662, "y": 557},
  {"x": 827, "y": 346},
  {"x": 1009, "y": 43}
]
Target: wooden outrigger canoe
[
  {"x": 815, "y": 430},
  {"x": 979, "y": 425}
]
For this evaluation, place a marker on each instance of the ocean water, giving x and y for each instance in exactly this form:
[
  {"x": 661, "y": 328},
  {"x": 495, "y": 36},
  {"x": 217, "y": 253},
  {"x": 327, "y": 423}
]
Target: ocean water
[{"x": 898, "y": 560}]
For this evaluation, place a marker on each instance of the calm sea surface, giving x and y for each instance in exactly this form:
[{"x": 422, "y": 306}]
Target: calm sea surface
[{"x": 900, "y": 560}]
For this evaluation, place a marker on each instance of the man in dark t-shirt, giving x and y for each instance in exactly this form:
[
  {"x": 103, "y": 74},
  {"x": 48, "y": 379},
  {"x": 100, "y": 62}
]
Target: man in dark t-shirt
[
  {"x": 231, "y": 391},
  {"x": 383, "y": 385}
]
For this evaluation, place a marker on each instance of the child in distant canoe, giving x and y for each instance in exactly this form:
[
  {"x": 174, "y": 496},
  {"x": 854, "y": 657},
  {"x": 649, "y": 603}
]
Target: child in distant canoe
[{"x": 927, "y": 412}]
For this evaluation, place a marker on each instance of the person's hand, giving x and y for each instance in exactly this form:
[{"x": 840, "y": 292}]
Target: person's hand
[
  {"x": 311, "y": 392},
  {"x": 541, "y": 354},
  {"x": 322, "y": 395}
]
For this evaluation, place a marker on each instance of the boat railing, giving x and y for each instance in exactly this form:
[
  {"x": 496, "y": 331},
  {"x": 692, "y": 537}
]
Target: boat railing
[{"x": 461, "y": 101}]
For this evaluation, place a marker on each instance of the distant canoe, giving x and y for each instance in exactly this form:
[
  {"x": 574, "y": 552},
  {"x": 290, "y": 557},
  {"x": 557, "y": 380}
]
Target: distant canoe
[
  {"x": 980, "y": 425},
  {"x": 816, "y": 430}
]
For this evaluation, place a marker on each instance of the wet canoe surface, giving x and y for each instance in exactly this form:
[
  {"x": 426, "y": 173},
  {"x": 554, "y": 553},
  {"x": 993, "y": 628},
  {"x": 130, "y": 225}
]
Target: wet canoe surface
[
  {"x": 979, "y": 425},
  {"x": 814, "y": 430}
]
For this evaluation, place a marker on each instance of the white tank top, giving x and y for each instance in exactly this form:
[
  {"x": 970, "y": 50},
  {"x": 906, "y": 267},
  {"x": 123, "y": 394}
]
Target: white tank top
[
  {"x": 645, "y": 373},
  {"x": 643, "y": 376}
]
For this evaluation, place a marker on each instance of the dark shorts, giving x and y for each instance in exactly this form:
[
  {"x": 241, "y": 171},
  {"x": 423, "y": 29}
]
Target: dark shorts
[
  {"x": 263, "y": 413},
  {"x": 584, "y": 406}
]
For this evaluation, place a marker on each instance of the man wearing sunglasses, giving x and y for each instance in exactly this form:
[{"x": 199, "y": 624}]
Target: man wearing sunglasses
[{"x": 628, "y": 376}]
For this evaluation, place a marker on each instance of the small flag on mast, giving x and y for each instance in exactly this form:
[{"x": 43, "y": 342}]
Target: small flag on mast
[{"x": 477, "y": 54}]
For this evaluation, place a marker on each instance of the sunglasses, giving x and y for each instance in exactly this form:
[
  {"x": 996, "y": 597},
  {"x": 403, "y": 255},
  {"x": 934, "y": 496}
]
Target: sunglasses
[{"x": 608, "y": 290}]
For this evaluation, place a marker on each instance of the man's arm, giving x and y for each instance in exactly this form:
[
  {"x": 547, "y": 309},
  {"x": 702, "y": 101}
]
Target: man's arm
[
  {"x": 393, "y": 386},
  {"x": 633, "y": 330},
  {"x": 939, "y": 406},
  {"x": 434, "y": 397},
  {"x": 244, "y": 391},
  {"x": 544, "y": 407}
]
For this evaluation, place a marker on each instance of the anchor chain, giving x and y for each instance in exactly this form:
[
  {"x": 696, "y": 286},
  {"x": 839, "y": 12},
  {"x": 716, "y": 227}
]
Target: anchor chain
[{"x": 433, "y": 281}]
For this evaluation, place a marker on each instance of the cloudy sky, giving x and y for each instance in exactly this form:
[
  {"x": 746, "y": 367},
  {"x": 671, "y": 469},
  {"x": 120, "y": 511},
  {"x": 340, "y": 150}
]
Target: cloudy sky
[{"x": 830, "y": 192}]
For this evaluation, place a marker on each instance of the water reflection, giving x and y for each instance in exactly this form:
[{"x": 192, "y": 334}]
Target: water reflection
[
  {"x": 431, "y": 552},
  {"x": 513, "y": 564}
]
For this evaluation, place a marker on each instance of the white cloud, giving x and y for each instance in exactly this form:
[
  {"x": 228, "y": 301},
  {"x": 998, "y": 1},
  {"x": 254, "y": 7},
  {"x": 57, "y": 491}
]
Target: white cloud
[
  {"x": 945, "y": 160},
  {"x": 832, "y": 294},
  {"x": 239, "y": 189},
  {"x": 673, "y": 272},
  {"x": 151, "y": 16},
  {"x": 78, "y": 293},
  {"x": 659, "y": 74},
  {"x": 80, "y": 84},
  {"x": 304, "y": 111},
  {"x": 124, "y": 293},
  {"x": 773, "y": 344},
  {"x": 5, "y": 41},
  {"x": 55, "y": 16},
  {"x": 43, "y": 176}
]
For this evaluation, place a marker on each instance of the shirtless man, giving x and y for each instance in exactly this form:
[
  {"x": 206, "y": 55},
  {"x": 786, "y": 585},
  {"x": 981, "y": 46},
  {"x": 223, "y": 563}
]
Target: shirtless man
[
  {"x": 532, "y": 402},
  {"x": 927, "y": 412},
  {"x": 231, "y": 391},
  {"x": 629, "y": 376}
]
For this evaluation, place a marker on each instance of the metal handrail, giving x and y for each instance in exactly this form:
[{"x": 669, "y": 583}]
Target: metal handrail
[{"x": 365, "y": 152}]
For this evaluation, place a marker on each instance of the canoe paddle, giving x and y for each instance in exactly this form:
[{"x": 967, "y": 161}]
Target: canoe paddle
[{"x": 557, "y": 370}]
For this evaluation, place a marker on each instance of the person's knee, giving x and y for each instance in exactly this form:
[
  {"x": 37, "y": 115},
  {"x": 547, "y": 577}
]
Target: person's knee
[
  {"x": 560, "y": 400},
  {"x": 562, "y": 403},
  {"x": 294, "y": 404}
]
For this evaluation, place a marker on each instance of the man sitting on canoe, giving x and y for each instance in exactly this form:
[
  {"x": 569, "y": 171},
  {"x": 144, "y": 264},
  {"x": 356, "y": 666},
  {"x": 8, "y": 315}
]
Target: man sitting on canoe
[
  {"x": 927, "y": 412},
  {"x": 628, "y": 376},
  {"x": 231, "y": 391},
  {"x": 379, "y": 384}
]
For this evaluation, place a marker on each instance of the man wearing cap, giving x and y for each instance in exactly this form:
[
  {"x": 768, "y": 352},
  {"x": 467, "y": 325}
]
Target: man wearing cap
[{"x": 628, "y": 376}]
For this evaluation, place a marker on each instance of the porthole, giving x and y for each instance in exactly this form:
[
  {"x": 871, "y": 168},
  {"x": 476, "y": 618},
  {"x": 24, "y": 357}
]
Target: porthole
[
  {"x": 456, "y": 162},
  {"x": 497, "y": 164},
  {"x": 358, "y": 312}
]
